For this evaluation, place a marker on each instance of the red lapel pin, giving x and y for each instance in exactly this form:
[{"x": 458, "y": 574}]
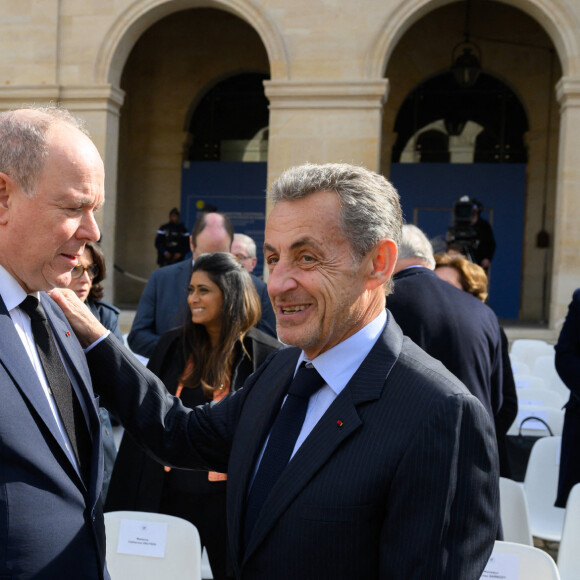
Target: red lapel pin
[{"x": 339, "y": 423}]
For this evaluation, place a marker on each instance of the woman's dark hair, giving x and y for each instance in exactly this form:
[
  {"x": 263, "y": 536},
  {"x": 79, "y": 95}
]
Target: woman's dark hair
[
  {"x": 97, "y": 291},
  {"x": 241, "y": 311}
]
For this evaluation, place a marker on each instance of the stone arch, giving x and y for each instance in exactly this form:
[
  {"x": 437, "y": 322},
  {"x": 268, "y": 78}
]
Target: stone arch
[
  {"x": 131, "y": 24},
  {"x": 553, "y": 15}
]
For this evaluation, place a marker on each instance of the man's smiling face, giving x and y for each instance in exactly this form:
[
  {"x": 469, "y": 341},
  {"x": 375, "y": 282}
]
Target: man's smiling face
[{"x": 316, "y": 287}]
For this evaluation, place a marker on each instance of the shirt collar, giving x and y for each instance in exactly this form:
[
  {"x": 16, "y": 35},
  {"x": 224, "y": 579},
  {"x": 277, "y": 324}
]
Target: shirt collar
[
  {"x": 338, "y": 364},
  {"x": 12, "y": 293}
]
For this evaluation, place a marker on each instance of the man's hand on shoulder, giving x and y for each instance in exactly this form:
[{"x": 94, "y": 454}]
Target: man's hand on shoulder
[{"x": 87, "y": 328}]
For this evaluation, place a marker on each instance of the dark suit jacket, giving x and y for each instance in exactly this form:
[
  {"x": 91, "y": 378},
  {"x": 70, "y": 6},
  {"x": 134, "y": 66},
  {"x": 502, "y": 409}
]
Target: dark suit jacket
[
  {"x": 568, "y": 367},
  {"x": 163, "y": 306},
  {"x": 453, "y": 327},
  {"x": 138, "y": 482},
  {"x": 51, "y": 522},
  {"x": 398, "y": 480}
]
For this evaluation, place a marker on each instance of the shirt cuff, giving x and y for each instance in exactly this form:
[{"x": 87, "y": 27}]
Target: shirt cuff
[{"x": 89, "y": 348}]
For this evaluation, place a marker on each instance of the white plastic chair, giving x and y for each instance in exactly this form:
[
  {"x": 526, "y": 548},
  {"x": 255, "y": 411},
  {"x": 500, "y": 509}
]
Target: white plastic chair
[
  {"x": 540, "y": 486},
  {"x": 528, "y": 350},
  {"x": 550, "y": 415},
  {"x": 181, "y": 559},
  {"x": 569, "y": 550},
  {"x": 515, "y": 519},
  {"x": 518, "y": 366},
  {"x": 206, "y": 572},
  {"x": 530, "y": 382},
  {"x": 531, "y": 563},
  {"x": 545, "y": 368},
  {"x": 531, "y": 397}
]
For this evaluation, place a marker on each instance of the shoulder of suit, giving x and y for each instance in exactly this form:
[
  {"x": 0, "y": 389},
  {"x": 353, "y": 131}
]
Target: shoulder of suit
[
  {"x": 106, "y": 306},
  {"x": 260, "y": 337}
]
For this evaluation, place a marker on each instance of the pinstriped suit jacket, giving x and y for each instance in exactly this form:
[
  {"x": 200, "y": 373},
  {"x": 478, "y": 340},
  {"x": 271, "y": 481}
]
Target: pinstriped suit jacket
[{"x": 398, "y": 480}]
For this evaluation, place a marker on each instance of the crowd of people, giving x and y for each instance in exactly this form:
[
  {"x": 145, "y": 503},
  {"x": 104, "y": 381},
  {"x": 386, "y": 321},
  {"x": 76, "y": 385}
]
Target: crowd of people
[{"x": 347, "y": 420}]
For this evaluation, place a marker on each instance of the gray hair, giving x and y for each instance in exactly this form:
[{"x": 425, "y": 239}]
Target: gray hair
[
  {"x": 23, "y": 143},
  {"x": 248, "y": 242},
  {"x": 415, "y": 244},
  {"x": 370, "y": 208}
]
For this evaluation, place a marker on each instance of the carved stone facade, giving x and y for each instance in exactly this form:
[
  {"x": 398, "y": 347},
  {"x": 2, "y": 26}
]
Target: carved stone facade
[{"x": 339, "y": 72}]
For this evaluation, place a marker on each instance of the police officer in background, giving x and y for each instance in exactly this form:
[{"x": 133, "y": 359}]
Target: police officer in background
[{"x": 172, "y": 240}]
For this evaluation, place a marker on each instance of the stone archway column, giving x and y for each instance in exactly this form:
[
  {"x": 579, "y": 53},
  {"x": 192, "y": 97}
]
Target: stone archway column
[
  {"x": 566, "y": 261},
  {"x": 99, "y": 106},
  {"x": 324, "y": 121}
]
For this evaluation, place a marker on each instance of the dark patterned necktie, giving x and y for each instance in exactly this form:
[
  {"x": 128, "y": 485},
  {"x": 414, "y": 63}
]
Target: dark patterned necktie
[
  {"x": 68, "y": 405},
  {"x": 283, "y": 436}
]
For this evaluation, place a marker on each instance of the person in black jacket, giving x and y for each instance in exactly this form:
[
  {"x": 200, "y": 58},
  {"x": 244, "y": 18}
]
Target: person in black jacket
[
  {"x": 470, "y": 277},
  {"x": 568, "y": 367},
  {"x": 172, "y": 240},
  {"x": 213, "y": 354},
  {"x": 453, "y": 327}
]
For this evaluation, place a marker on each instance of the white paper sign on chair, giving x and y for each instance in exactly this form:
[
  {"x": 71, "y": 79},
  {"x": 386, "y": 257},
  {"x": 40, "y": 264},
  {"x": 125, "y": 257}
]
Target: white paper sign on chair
[
  {"x": 502, "y": 567},
  {"x": 140, "y": 538}
]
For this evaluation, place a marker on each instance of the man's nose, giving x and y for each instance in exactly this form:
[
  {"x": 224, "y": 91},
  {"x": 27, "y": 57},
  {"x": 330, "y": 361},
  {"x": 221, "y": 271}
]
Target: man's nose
[{"x": 281, "y": 280}]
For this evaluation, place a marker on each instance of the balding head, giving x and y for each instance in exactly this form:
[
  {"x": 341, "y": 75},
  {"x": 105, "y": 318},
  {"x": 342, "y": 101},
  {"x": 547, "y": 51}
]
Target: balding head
[{"x": 212, "y": 232}]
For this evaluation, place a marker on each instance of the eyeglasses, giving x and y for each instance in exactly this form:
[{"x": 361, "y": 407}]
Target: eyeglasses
[
  {"x": 241, "y": 257},
  {"x": 79, "y": 270}
]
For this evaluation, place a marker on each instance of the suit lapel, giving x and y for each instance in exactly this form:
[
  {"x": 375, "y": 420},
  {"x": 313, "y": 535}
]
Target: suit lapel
[
  {"x": 337, "y": 425},
  {"x": 250, "y": 435},
  {"x": 15, "y": 359}
]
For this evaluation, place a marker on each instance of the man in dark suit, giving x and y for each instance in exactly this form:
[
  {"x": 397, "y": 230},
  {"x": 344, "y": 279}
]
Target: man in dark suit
[
  {"x": 568, "y": 367},
  {"x": 372, "y": 461},
  {"x": 450, "y": 324},
  {"x": 163, "y": 304},
  {"x": 51, "y": 466}
]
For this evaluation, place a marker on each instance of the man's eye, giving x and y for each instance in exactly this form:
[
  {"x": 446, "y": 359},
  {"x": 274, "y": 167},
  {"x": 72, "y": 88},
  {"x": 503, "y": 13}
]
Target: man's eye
[
  {"x": 307, "y": 258},
  {"x": 271, "y": 260}
]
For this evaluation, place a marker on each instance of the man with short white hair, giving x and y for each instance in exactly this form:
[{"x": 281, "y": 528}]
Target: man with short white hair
[
  {"x": 244, "y": 249},
  {"x": 51, "y": 464},
  {"x": 451, "y": 325}
]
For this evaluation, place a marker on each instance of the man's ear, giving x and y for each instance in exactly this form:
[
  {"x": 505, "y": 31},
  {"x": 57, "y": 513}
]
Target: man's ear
[
  {"x": 382, "y": 263},
  {"x": 5, "y": 188},
  {"x": 191, "y": 247}
]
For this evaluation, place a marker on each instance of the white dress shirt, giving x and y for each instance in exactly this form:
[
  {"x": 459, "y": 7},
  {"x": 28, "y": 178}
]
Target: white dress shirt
[
  {"x": 336, "y": 366},
  {"x": 13, "y": 294}
]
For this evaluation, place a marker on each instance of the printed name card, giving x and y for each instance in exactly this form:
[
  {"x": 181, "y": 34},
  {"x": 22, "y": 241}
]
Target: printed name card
[
  {"x": 502, "y": 567},
  {"x": 140, "y": 538}
]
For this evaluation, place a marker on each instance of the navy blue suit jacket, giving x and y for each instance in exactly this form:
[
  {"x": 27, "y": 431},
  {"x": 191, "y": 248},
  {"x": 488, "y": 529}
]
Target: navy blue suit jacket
[
  {"x": 51, "y": 522},
  {"x": 163, "y": 306},
  {"x": 453, "y": 327},
  {"x": 568, "y": 367},
  {"x": 398, "y": 480}
]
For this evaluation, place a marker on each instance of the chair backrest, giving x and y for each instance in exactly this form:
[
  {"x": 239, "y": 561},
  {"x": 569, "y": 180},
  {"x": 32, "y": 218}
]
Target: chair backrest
[
  {"x": 530, "y": 563},
  {"x": 569, "y": 550},
  {"x": 528, "y": 350},
  {"x": 545, "y": 368},
  {"x": 540, "y": 486},
  {"x": 515, "y": 519},
  {"x": 533, "y": 397},
  {"x": 550, "y": 415},
  {"x": 518, "y": 366},
  {"x": 530, "y": 382},
  {"x": 159, "y": 546}
]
